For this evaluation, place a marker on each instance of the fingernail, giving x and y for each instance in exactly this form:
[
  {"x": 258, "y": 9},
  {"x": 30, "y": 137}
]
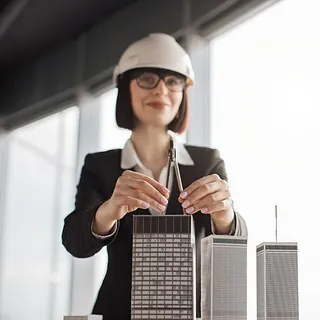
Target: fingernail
[
  {"x": 189, "y": 210},
  {"x": 165, "y": 190},
  {"x": 145, "y": 205},
  {"x": 204, "y": 210},
  {"x": 161, "y": 207},
  {"x": 164, "y": 200},
  {"x": 183, "y": 194},
  {"x": 185, "y": 204}
]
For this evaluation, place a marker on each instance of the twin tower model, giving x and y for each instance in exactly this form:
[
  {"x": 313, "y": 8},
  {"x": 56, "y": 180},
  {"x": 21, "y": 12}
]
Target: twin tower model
[{"x": 163, "y": 274}]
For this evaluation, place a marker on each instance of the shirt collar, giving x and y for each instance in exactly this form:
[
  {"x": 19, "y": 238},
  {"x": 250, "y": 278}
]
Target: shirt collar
[{"x": 129, "y": 157}]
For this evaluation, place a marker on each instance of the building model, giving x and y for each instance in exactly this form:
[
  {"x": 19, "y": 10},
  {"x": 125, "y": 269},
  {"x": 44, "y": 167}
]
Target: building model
[
  {"x": 277, "y": 281},
  {"x": 163, "y": 267},
  {"x": 224, "y": 278}
]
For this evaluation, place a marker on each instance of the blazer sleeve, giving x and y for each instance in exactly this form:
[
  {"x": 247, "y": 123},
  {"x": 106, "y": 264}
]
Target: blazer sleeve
[
  {"x": 239, "y": 227},
  {"x": 77, "y": 236}
]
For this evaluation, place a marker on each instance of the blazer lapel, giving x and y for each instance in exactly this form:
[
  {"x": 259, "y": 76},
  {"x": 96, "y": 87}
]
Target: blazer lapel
[{"x": 174, "y": 206}]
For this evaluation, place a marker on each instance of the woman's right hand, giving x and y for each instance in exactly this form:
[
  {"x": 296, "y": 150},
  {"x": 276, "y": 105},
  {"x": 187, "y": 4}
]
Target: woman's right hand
[{"x": 133, "y": 190}]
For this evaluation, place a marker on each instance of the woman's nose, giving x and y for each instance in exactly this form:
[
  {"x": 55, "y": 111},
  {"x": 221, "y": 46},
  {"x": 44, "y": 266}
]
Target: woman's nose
[{"x": 161, "y": 88}]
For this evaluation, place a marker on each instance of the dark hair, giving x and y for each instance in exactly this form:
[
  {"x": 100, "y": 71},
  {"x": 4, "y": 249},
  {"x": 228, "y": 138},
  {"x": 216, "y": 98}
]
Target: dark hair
[{"x": 126, "y": 118}]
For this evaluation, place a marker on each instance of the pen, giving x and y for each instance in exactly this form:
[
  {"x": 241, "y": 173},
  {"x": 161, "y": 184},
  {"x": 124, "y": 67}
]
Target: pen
[{"x": 173, "y": 160}]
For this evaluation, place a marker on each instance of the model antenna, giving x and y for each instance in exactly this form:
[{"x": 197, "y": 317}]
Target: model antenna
[{"x": 276, "y": 216}]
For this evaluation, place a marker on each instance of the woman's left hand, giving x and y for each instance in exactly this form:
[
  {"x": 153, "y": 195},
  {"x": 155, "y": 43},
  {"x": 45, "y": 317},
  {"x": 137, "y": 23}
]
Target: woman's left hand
[{"x": 210, "y": 195}]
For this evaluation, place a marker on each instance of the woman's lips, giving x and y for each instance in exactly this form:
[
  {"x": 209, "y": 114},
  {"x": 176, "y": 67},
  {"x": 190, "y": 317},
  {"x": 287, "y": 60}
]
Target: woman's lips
[{"x": 157, "y": 105}]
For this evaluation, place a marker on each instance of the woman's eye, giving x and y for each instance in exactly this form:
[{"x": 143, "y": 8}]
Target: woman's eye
[
  {"x": 174, "y": 81},
  {"x": 147, "y": 78}
]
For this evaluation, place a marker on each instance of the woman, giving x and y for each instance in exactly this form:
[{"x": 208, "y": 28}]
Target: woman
[{"x": 153, "y": 76}]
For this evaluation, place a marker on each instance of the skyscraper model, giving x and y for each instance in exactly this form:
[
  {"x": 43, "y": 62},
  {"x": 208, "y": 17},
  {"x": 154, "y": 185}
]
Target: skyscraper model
[
  {"x": 224, "y": 278},
  {"x": 163, "y": 268},
  {"x": 277, "y": 281}
]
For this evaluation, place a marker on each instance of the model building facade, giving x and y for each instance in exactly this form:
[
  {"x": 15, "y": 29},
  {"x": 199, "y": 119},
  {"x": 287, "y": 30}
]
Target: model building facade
[
  {"x": 277, "y": 281},
  {"x": 224, "y": 278},
  {"x": 163, "y": 268}
]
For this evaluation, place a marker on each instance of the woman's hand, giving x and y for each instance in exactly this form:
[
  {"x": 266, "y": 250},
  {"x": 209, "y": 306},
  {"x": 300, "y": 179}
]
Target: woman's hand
[
  {"x": 132, "y": 191},
  {"x": 210, "y": 195}
]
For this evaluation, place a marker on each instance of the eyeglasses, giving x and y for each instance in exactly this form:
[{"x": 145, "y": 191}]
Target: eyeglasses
[{"x": 150, "y": 80}]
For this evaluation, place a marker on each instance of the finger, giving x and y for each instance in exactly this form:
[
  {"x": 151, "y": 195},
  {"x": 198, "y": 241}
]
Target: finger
[
  {"x": 197, "y": 184},
  {"x": 142, "y": 190},
  {"x": 220, "y": 206},
  {"x": 154, "y": 183},
  {"x": 130, "y": 203},
  {"x": 145, "y": 199},
  {"x": 144, "y": 187},
  {"x": 211, "y": 203},
  {"x": 202, "y": 191}
]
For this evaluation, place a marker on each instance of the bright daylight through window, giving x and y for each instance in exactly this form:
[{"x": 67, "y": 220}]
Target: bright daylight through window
[{"x": 265, "y": 111}]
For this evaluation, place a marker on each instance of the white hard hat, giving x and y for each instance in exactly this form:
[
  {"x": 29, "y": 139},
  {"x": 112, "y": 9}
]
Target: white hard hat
[{"x": 158, "y": 50}]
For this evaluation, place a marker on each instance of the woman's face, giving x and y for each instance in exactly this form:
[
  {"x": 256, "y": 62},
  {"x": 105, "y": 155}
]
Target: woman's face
[{"x": 155, "y": 102}]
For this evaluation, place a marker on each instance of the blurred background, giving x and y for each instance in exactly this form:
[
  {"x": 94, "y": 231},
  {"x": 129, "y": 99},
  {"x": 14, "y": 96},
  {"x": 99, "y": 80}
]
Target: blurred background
[{"x": 256, "y": 99}]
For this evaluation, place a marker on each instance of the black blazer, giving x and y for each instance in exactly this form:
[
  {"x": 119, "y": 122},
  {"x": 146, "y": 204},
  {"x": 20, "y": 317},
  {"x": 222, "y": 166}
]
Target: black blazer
[{"x": 98, "y": 178}]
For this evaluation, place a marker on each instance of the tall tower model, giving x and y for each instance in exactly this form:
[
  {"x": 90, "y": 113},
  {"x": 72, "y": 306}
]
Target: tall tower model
[
  {"x": 224, "y": 278},
  {"x": 277, "y": 281},
  {"x": 163, "y": 268}
]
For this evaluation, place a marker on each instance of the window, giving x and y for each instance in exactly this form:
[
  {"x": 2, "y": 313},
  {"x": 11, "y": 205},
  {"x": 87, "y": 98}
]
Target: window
[
  {"x": 35, "y": 278},
  {"x": 265, "y": 113}
]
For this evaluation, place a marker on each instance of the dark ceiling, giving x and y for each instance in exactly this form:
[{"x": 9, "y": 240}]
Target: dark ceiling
[{"x": 29, "y": 28}]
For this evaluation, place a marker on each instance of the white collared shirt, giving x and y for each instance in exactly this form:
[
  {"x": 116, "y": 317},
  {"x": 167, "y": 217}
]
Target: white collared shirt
[{"x": 130, "y": 159}]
